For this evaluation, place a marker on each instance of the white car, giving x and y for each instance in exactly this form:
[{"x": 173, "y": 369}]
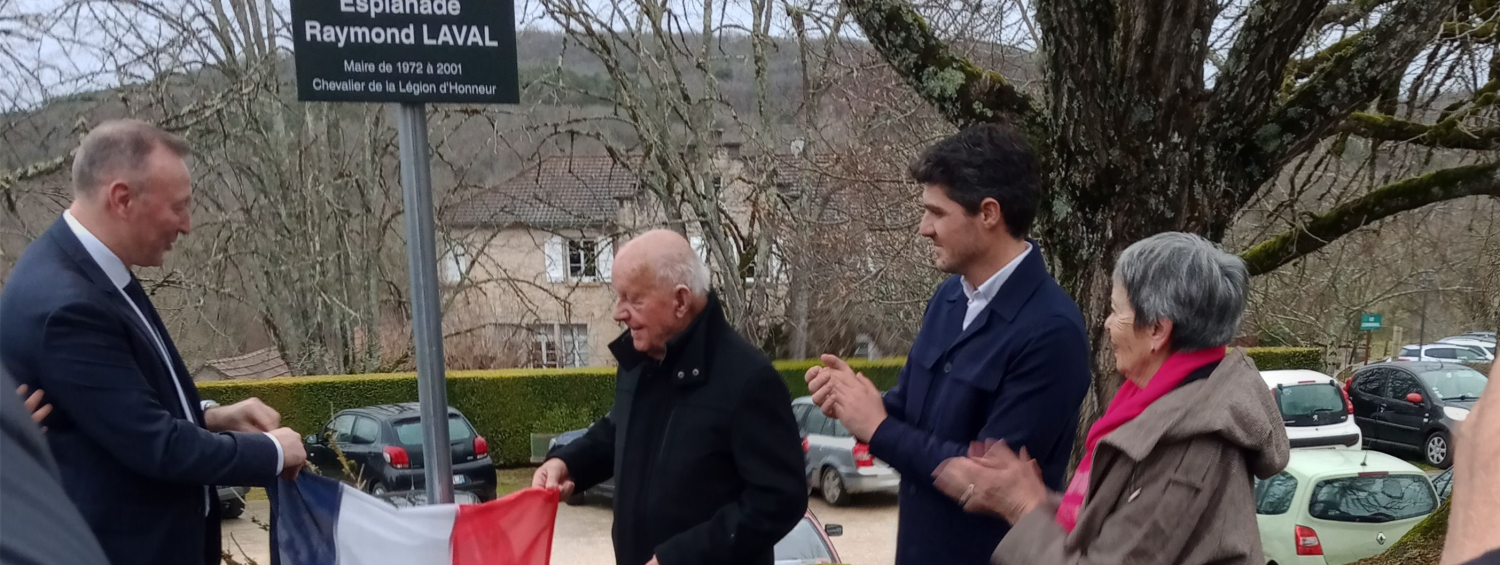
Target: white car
[
  {"x": 1445, "y": 352},
  {"x": 1485, "y": 345},
  {"x": 1315, "y": 409},
  {"x": 1331, "y": 507}
]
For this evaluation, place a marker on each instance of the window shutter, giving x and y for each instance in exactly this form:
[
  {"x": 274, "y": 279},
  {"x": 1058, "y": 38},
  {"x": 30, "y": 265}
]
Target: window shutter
[
  {"x": 556, "y": 262},
  {"x": 606, "y": 249},
  {"x": 773, "y": 265}
]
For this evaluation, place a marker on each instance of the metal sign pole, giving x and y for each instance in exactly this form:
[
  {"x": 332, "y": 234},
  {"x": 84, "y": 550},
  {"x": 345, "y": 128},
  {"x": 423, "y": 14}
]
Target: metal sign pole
[{"x": 427, "y": 320}]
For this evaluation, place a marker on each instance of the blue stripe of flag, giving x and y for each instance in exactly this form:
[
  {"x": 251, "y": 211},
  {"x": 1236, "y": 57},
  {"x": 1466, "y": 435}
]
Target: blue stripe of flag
[{"x": 304, "y": 513}]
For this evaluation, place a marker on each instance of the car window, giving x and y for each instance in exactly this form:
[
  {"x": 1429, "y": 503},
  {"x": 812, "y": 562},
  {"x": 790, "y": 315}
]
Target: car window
[
  {"x": 836, "y": 429},
  {"x": 1300, "y": 403},
  {"x": 1457, "y": 383},
  {"x": 1370, "y": 382},
  {"x": 1441, "y": 353},
  {"x": 1408, "y": 352},
  {"x": 804, "y": 544},
  {"x": 1274, "y": 495},
  {"x": 1372, "y": 499},
  {"x": 1444, "y": 484},
  {"x": 815, "y": 422},
  {"x": 343, "y": 427},
  {"x": 1402, "y": 385},
  {"x": 1466, "y": 354},
  {"x": 800, "y": 411},
  {"x": 366, "y": 431},
  {"x": 409, "y": 431}
]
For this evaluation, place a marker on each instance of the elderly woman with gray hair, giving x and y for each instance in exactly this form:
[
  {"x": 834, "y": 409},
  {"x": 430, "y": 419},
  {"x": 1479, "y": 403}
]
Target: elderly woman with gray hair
[{"x": 1166, "y": 478}]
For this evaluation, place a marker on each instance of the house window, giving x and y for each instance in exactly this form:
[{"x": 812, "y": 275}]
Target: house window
[
  {"x": 865, "y": 348},
  {"x": 559, "y": 345},
  {"x": 586, "y": 259},
  {"x": 455, "y": 264},
  {"x": 583, "y": 258}
]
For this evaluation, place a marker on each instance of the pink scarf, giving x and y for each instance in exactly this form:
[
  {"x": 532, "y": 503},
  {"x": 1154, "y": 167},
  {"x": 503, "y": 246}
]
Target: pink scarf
[{"x": 1129, "y": 402}]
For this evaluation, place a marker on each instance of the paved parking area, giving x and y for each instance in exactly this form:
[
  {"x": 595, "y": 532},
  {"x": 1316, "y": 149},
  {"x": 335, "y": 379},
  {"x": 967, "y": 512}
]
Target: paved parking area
[{"x": 582, "y": 533}]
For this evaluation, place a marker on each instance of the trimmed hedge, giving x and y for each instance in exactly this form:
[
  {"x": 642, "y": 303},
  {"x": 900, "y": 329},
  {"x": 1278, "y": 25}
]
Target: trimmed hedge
[
  {"x": 1286, "y": 358},
  {"x": 507, "y": 406}
]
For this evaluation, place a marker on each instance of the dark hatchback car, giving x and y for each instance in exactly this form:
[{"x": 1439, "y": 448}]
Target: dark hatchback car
[
  {"x": 384, "y": 447},
  {"x": 1413, "y": 406}
]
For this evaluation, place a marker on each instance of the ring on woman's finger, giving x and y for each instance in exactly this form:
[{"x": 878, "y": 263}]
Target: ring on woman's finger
[{"x": 963, "y": 499}]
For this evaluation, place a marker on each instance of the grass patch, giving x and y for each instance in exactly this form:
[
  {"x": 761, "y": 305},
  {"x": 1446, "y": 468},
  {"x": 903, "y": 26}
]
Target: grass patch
[{"x": 511, "y": 480}]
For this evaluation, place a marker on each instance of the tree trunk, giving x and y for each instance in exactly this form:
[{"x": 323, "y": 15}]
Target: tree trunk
[{"x": 797, "y": 307}]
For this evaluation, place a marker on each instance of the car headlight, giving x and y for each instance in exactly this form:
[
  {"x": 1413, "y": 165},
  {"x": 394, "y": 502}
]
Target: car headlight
[{"x": 1455, "y": 413}]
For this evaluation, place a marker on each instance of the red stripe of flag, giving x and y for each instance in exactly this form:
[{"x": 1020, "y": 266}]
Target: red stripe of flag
[{"x": 515, "y": 530}]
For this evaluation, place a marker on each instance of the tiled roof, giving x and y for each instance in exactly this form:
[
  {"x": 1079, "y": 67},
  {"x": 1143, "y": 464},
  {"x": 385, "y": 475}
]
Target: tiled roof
[
  {"x": 576, "y": 191},
  {"x": 262, "y": 364},
  {"x": 560, "y": 191}
]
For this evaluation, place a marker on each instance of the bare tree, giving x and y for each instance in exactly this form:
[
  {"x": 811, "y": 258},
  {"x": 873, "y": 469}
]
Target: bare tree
[{"x": 1180, "y": 119}]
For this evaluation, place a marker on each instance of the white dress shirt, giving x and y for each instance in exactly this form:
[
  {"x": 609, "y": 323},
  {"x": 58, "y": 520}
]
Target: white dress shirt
[
  {"x": 119, "y": 274},
  {"x": 981, "y": 297}
]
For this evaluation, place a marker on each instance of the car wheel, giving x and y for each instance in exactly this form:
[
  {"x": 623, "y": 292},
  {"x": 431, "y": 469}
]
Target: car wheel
[
  {"x": 578, "y": 498},
  {"x": 1438, "y": 450},
  {"x": 233, "y": 509},
  {"x": 378, "y": 489},
  {"x": 833, "y": 487}
]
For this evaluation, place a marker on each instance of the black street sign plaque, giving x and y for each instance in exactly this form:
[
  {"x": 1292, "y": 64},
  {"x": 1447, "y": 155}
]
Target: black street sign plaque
[{"x": 414, "y": 51}]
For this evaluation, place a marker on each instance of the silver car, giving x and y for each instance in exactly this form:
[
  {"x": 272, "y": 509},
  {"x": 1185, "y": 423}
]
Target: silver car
[{"x": 838, "y": 466}]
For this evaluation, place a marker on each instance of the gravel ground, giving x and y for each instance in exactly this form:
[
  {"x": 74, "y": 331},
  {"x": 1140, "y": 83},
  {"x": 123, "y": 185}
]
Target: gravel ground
[{"x": 582, "y": 533}]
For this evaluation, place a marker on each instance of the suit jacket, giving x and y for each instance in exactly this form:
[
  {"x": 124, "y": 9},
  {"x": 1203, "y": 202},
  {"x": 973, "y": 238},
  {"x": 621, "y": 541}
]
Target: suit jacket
[
  {"x": 41, "y": 525},
  {"x": 1018, "y": 373},
  {"x": 133, "y": 462},
  {"x": 703, "y": 448}
]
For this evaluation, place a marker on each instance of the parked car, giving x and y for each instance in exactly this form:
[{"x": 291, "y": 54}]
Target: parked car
[
  {"x": 602, "y": 491},
  {"x": 1315, "y": 409},
  {"x": 1331, "y": 507},
  {"x": 232, "y": 502},
  {"x": 1449, "y": 352},
  {"x": 383, "y": 445},
  {"x": 838, "y": 466},
  {"x": 808, "y": 543},
  {"x": 1410, "y": 406},
  {"x": 407, "y": 498},
  {"x": 1490, "y": 335},
  {"x": 1485, "y": 345}
]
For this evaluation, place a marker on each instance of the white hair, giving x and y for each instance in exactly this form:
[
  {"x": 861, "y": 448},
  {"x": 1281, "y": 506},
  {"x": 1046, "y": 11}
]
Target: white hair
[
  {"x": 1189, "y": 280},
  {"x": 686, "y": 269}
]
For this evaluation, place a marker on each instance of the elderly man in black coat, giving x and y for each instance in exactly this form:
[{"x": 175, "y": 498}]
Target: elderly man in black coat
[{"x": 701, "y": 440}]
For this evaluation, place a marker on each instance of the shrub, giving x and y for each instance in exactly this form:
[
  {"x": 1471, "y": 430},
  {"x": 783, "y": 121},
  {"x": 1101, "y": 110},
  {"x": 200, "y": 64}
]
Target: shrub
[
  {"x": 507, "y": 406},
  {"x": 1283, "y": 358}
]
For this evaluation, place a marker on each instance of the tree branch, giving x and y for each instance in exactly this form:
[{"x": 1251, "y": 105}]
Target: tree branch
[
  {"x": 1350, "y": 79},
  {"x": 1409, "y": 194},
  {"x": 1446, "y": 135},
  {"x": 1253, "y": 73},
  {"x": 1347, "y": 13},
  {"x": 964, "y": 93}
]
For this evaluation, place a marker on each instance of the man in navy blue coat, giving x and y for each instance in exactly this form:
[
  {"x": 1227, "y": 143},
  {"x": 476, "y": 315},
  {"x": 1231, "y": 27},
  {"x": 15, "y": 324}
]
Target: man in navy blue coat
[
  {"x": 138, "y": 452},
  {"x": 1002, "y": 353}
]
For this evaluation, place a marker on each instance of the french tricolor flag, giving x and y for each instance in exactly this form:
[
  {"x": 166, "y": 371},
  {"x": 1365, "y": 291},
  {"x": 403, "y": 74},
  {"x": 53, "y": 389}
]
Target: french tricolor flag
[{"x": 319, "y": 521}]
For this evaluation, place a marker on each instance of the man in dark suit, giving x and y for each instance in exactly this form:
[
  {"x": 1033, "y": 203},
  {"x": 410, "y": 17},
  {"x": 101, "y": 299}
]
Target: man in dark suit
[
  {"x": 701, "y": 440},
  {"x": 38, "y": 524},
  {"x": 1002, "y": 353},
  {"x": 138, "y": 452}
]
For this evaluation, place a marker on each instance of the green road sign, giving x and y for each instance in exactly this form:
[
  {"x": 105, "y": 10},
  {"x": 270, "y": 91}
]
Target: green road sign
[{"x": 1370, "y": 322}]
